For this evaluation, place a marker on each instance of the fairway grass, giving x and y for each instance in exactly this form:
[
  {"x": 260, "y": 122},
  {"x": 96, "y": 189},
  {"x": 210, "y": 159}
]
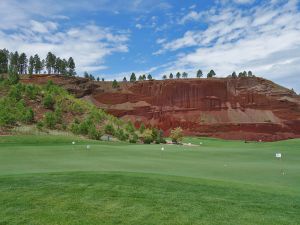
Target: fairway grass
[{"x": 47, "y": 180}]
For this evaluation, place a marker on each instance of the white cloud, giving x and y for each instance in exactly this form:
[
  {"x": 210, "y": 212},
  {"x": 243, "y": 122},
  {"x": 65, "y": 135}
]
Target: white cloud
[
  {"x": 45, "y": 27},
  {"x": 243, "y": 1},
  {"x": 191, "y": 16},
  {"x": 139, "y": 26},
  {"x": 88, "y": 44},
  {"x": 264, "y": 39}
]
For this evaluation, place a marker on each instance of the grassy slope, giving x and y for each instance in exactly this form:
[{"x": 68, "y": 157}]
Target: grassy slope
[{"x": 46, "y": 180}]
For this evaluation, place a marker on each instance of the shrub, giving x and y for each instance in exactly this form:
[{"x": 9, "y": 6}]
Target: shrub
[
  {"x": 15, "y": 92},
  {"x": 121, "y": 135},
  {"x": 134, "y": 138},
  {"x": 13, "y": 75},
  {"x": 28, "y": 116},
  {"x": 176, "y": 135},
  {"x": 50, "y": 120},
  {"x": 142, "y": 128},
  {"x": 147, "y": 136},
  {"x": 39, "y": 125},
  {"x": 93, "y": 133},
  {"x": 115, "y": 84},
  {"x": 109, "y": 129},
  {"x": 58, "y": 114},
  {"x": 31, "y": 91},
  {"x": 48, "y": 101},
  {"x": 129, "y": 127}
]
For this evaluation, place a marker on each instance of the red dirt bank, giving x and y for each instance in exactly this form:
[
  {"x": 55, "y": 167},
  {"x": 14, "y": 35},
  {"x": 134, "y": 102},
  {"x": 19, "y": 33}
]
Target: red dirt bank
[{"x": 243, "y": 108}]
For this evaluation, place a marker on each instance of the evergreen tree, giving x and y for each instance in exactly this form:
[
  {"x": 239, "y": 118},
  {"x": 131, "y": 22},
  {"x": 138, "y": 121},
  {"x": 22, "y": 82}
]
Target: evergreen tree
[
  {"x": 71, "y": 66},
  {"x": 234, "y": 74},
  {"x": 140, "y": 78},
  {"x": 23, "y": 63},
  {"x": 50, "y": 62},
  {"x": 211, "y": 74},
  {"x": 164, "y": 77},
  {"x": 37, "y": 64},
  {"x": 184, "y": 74},
  {"x": 98, "y": 79},
  {"x": 178, "y": 75},
  {"x": 86, "y": 75},
  {"x": 31, "y": 65},
  {"x": 13, "y": 75},
  {"x": 3, "y": 60},
  {"x": 132, "y": 77},
  {"x": 199, "y": 73},
  {"x": 115, "y": 84},
  {"x": 124, "y": 79},
  {"x": 14, "y": 60},
  {"x": 149, "y": 77},
  {"x": 250, "y": 74},
  {"x": 171, "y": 76}
]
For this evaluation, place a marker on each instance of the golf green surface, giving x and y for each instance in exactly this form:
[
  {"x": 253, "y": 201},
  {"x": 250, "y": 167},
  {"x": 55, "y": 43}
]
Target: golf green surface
[{"x": 46, "y": 180}]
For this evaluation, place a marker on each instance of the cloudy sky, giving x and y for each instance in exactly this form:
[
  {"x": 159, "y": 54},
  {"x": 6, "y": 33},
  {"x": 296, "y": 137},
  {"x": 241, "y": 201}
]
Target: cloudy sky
[{"x": 111, "y": 39}]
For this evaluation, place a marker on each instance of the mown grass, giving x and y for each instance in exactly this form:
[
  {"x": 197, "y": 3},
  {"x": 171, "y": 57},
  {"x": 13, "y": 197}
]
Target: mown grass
[{"x": 47, "y": 180}]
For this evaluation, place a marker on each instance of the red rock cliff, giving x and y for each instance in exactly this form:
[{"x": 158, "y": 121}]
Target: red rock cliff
[{"x": 243, "y": 108}]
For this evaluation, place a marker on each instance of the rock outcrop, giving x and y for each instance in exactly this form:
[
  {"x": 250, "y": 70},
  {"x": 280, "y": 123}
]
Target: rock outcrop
[{"x": 243, "y": 108}]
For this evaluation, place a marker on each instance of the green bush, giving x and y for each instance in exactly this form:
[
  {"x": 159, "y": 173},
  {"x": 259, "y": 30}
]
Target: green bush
[
  {"x": 142, "y": 128},
  {"x": 28, "y": 116},
  {"x": 109, "y": 129},
  {"x": 147, "y": 136},
  {"x": 58, "y": 114},
  {"x": 50, "y": 120},
  {"x": 31, "y": 91},
  {"x": 121, "y": 135},
  {"x": 15, "y": 92},
  {"x": 134, "y": 139},
  {"x": 93, "y": 133},
  {"x": 48, "y": 101},
  {"x": 39, "y": 125},
  {"x": 129, "y": 127}
]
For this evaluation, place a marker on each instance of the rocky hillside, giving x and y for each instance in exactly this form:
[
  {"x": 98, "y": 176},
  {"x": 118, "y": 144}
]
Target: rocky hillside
[
  {"x": 248, "y": 108},
  {"x": 50, "y": 107}
]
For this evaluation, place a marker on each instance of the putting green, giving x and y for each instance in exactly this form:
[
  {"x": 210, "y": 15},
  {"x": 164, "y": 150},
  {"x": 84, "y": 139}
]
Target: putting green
[{"x": 47, "y": 180}]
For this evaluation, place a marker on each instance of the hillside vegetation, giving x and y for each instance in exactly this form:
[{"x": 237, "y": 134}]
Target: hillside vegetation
[{"x": 51, "y": 107}]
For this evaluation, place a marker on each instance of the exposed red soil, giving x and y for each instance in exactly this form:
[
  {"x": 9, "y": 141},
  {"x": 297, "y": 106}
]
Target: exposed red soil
[{"x": 243, "y": 108}]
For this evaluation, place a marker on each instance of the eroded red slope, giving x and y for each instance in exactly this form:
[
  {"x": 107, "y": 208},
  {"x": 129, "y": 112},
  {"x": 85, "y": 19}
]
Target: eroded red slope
[{"x": 243, "y": 108}]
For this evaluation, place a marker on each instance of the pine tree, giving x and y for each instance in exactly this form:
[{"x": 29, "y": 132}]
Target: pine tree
[
  {"x": 199, "y": 73},
  {"x": 23, "y": 63},
  {"x": 124, "y": 79},
  {"x": 234, "y": 74},
  {"x": 132, "y": 77},
  {"x": 184, "y": 74},
  {"x": 31, "y": 65},
  {"x": 14, "y": 60},
  {"x": 37, "y": 64},
  {"x": 71, "y": 66},
  {"x": 149, "y": 77},
  {"x": 178, "y": 75},
  {"x": 211, "y": 74},
  {"x": 171, "y": 76},
  {"x": 164, "y": 77},
  {"x": 3, "y": 60},
  {"x": 50, "y": 62}
]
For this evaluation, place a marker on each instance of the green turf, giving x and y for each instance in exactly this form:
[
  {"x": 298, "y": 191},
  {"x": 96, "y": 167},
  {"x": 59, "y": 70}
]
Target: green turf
[{"x": 47, "y": 180}]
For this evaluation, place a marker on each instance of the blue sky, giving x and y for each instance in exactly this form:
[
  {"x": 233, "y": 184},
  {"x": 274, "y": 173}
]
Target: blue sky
[{"x": 111, "y": 39}]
